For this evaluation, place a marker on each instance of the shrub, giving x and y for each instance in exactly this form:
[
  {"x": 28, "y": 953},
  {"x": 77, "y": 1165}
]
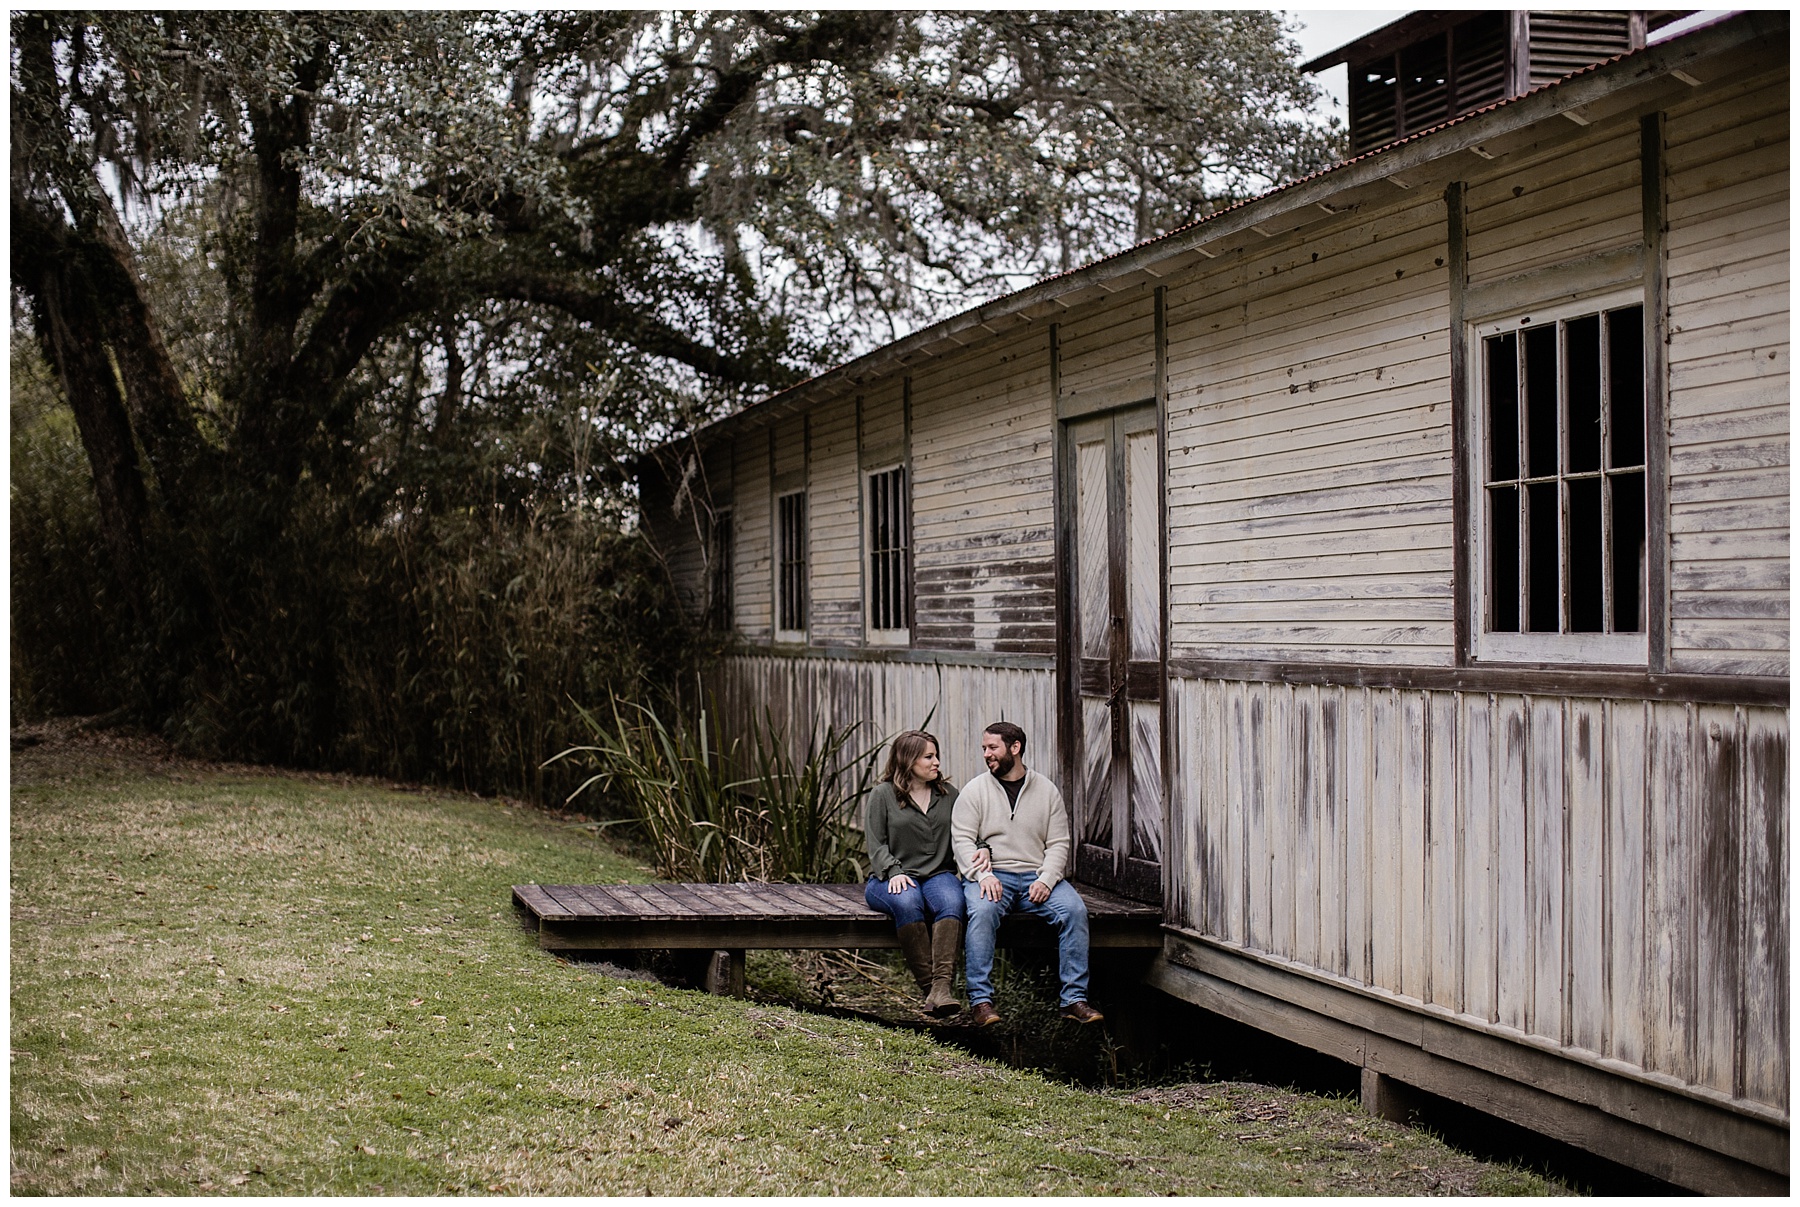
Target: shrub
[{"x": 716, "y": 810}]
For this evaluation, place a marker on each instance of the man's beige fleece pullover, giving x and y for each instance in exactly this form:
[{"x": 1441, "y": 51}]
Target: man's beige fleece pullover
[{"x": 1032, "y": 838}]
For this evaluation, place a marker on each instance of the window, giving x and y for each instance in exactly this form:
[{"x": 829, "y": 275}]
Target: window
[
  {"x": 790, "y": 566},
  {"x": 889, "y": 590},
  {"x": 720, "y": 612},
  {"x": 1563, "y": 560}
]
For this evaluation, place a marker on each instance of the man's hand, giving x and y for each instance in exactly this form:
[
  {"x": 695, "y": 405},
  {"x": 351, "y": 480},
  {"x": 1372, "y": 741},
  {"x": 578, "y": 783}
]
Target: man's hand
[
  {"x": 981, "y": 865},
  {"x": 1039, "y": 892},
  {"x": 900, "y": 883},
  {"x": 990, "y": 887}
]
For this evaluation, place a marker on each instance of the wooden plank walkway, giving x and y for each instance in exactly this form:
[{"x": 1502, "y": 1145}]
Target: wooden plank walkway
[{"x": 733, "y": 917}]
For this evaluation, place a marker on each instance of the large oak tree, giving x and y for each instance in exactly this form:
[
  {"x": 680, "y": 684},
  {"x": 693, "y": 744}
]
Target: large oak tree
[{"x": 275, "y": 253}]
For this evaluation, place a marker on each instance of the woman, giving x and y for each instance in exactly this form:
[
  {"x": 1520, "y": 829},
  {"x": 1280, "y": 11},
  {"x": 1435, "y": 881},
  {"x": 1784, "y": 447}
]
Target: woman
[{"x": 912, "y": 873}]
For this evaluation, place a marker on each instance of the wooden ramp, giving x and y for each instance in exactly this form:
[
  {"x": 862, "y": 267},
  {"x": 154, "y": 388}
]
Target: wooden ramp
[{"x": 733, "y": 917}]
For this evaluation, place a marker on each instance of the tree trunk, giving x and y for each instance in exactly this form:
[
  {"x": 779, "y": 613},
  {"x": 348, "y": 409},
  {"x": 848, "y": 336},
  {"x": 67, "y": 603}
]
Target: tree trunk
[{"x": 69, "y": 323}]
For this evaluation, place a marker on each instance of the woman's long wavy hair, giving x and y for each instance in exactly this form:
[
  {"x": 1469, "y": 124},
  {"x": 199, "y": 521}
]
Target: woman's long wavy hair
[{"x": 904, "y": 752}]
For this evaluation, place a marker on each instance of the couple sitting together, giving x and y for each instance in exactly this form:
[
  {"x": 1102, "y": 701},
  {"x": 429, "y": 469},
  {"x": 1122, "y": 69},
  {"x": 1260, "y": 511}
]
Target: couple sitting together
[{"x": 938, "y": 859}]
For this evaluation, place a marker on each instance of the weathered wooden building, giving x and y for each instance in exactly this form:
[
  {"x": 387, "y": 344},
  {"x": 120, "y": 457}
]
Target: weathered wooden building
[{"x": 1394, "y": 570}]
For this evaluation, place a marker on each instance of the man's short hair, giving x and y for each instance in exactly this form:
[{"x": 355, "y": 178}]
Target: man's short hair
[{"x": 1009, "y": 733}]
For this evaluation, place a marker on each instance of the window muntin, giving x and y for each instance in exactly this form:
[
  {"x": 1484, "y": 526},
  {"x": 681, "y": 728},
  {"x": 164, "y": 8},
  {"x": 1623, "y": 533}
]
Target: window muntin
[
  {"x": 887, "y": 525},
  {"x": 790, "y": 565},
  {"x": 1563, "y": 564},
  {"x": 720, "y": 606}
]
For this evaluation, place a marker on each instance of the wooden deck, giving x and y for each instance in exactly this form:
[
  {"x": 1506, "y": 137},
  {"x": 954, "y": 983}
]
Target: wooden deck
[{"x": 733, "y": 917}]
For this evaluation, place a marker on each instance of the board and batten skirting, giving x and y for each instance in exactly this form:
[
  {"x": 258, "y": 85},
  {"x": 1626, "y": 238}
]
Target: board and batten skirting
[
  {"x": 951, "y": 695},
  {"x": 1604, "y": 876}
]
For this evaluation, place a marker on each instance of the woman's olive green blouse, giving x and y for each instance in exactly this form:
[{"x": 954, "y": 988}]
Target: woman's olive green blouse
[{"x": 902, "y": 839}]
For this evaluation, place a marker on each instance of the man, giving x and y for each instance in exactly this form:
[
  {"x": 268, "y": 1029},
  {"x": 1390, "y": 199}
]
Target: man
[{"x": 1011, "y": 839}]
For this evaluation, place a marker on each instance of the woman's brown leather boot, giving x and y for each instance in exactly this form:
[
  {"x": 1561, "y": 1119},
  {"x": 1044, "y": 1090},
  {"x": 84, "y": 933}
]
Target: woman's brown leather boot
[
  {"x": 946, "y": 944},
  {"x": 915, "y": 945}
]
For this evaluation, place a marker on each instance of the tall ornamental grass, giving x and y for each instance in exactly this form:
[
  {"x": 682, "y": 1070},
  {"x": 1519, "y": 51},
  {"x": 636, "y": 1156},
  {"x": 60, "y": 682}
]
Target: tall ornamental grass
[{"x": 747, "y": 809}]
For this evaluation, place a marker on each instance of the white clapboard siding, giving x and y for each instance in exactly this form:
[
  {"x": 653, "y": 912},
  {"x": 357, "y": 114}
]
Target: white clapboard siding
[
  {"x": 884, "y": 421},
  {"x": 1538, "y": 212},
  {"x": 669, "y": 518},
  {"x": 1324, "y": 266},
  {"x": 1606, "y": 876},
  {"x": 788, "y": 448},
  {"x": 983, "y": 515},
  {"x": 802, "y": 695},
  {"x": 1107, "y": 344},
  {"x": 752, "y": 534},
  {"x": 833, "y": 488},
  {"x": 1728, "y": 322},
  {"x": 1295, "y": 383}
]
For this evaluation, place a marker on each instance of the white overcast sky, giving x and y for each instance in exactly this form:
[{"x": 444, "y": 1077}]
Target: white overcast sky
[{"x": 1323, "y": 29}]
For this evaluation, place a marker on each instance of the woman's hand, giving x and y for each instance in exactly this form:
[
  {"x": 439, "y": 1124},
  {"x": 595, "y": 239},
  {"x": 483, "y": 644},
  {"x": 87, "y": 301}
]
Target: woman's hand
[{"x": 900, "y": 883}]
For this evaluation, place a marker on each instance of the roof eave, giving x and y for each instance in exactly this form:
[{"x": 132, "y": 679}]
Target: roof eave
[{"x": 1578, "y": 98}]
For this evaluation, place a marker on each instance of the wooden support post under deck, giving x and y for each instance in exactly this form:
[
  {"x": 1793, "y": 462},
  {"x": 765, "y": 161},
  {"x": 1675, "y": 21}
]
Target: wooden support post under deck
[
  {"x": 1384, "y": 1097},
  {"x": 725, "y": 973}
]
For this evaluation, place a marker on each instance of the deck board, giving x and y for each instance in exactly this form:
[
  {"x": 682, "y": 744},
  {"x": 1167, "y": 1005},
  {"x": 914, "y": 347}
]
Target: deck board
[{"x": 601, "y": 917}]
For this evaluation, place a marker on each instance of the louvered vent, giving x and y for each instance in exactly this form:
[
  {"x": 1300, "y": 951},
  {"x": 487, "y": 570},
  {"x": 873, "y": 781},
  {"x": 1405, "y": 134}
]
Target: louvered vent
[
  {"x": 1429, "y": 82},
  {"x": 1424, "y": 84},
  {"x": 1432, "y": 66},
  {"x": 1565, "y": 42},
  {"x": 1372, "y": 93},
  {"x": 1478, "y": 54}
]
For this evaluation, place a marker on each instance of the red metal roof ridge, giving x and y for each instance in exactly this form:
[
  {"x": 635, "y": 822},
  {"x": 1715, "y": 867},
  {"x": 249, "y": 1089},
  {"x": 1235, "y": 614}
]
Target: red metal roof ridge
[{"x": 923, "y": 333}]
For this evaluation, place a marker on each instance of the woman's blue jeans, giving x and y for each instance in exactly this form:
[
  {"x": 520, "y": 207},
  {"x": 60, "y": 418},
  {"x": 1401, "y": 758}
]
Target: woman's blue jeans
[{"x": 930, "y": 900}]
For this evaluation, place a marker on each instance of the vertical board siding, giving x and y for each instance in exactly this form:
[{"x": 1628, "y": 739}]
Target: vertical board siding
[
  {"x": 1607, "y": 875},
  {"x": 1444, "y": 865},
  {"x": 1624, "y": 887},
  {"x": 1281, "y": 824},
  {"x": 1584, "y": 878},
  {"x": 1479, "y": 806},
  {"x": 1512, "y": 915},
  {"x": 1717, "y": 888},
  {"x": 1668, "y": 893},
  {"x": 1728, "y": 380},
  {"x": 802, "y": 695},
  {"x": 1306, "y": 844},
  {"x": 1765, "y": 902},
  {"x": 1546, "y": 808}
]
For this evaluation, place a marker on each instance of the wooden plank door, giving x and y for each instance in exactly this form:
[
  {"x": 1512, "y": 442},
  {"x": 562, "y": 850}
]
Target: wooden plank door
[{"x": 1115, "y": 650}]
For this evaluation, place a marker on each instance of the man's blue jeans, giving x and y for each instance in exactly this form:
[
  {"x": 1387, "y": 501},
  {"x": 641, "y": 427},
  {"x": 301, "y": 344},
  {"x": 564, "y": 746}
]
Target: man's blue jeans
[{"x": 1065, "y": 911}]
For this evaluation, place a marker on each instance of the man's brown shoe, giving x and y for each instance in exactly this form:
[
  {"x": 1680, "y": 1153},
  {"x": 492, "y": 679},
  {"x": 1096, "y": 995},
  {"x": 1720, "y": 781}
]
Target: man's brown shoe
[
  {"x": 1081, "y": 1012},
  {"x": 983, "y": 1014}
]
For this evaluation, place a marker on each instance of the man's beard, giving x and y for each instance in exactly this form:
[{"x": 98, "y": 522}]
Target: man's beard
[{"x": 1003, "y": 765}]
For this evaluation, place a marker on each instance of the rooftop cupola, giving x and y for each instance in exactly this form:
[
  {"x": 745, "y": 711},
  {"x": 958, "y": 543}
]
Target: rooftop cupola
[{"x": 1431, "y": 66}]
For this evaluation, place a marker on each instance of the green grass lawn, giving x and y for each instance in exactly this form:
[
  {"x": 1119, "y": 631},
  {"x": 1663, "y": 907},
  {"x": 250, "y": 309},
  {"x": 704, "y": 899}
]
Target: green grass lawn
[{"x": 227, "y": 980}]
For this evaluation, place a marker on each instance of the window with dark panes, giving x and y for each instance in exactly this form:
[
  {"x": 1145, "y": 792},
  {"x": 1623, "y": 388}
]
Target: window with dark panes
[
  {"x": 790, "y": 602},
  {"x": 1563, "y": 473},
  {"x": 887, "y": 523}
]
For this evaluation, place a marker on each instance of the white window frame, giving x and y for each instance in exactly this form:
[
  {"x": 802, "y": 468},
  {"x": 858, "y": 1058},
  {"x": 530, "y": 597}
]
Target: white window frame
[
  {"x": 900, "y": 635},
  {"x": 1622, "y": 650},
  {"x": 781, "y": 563}
]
